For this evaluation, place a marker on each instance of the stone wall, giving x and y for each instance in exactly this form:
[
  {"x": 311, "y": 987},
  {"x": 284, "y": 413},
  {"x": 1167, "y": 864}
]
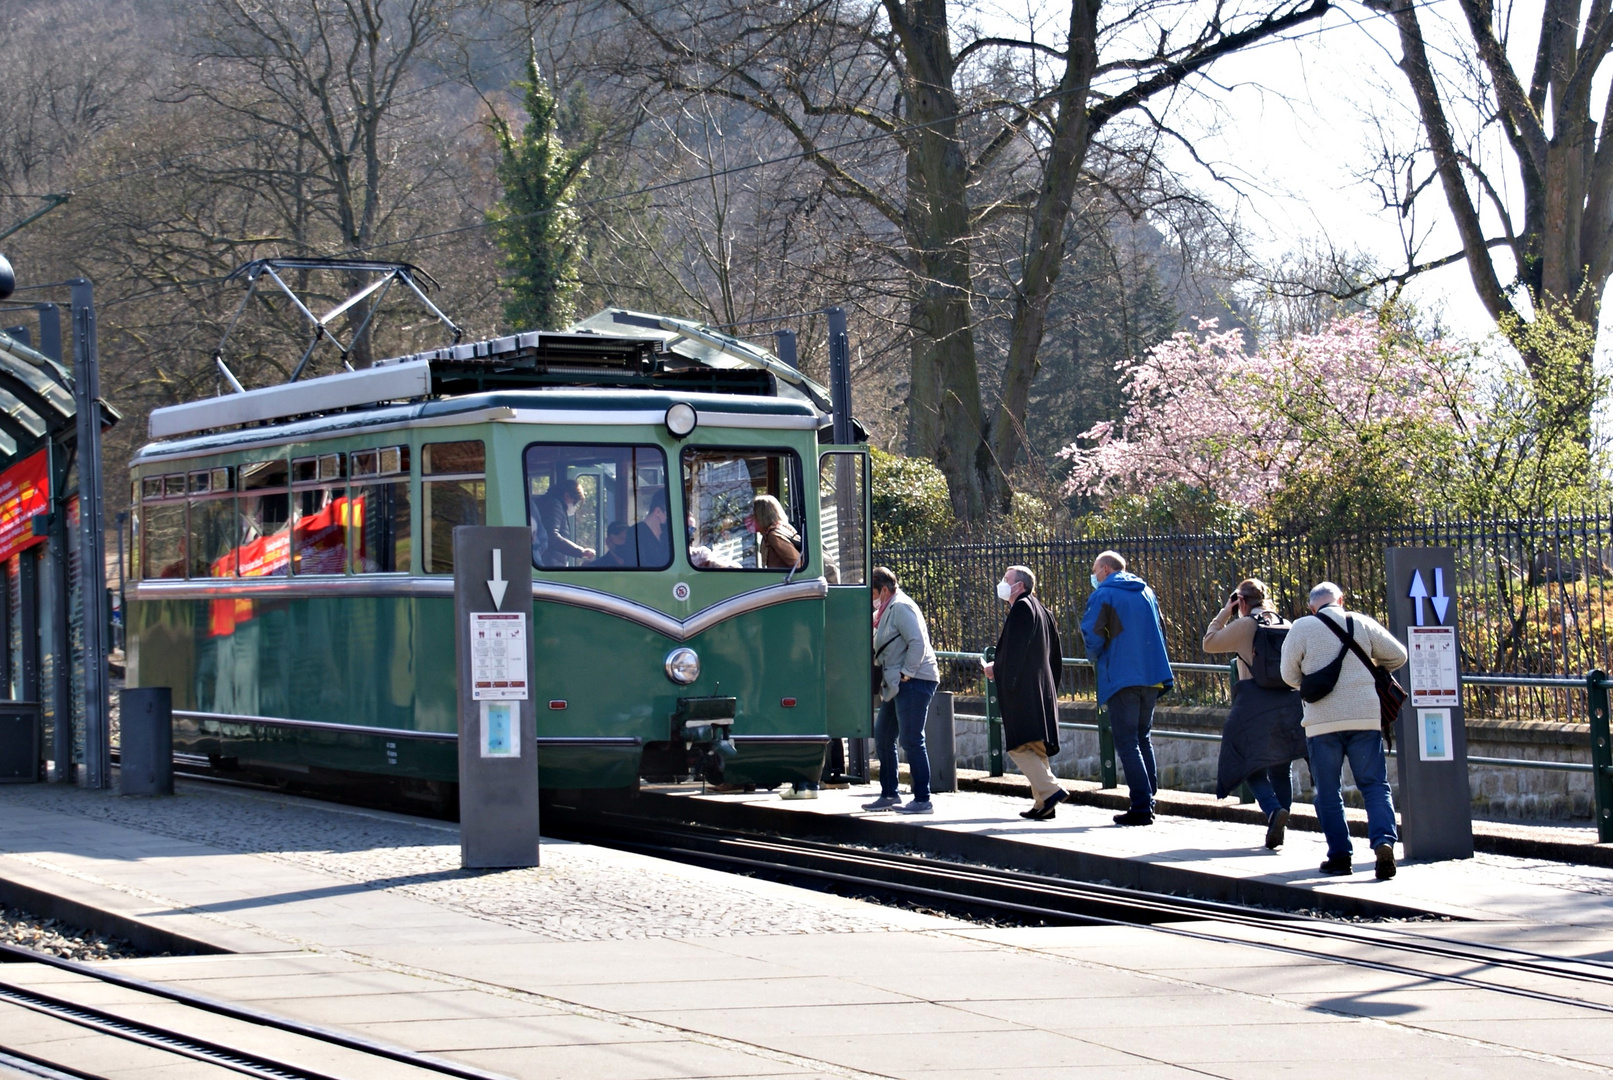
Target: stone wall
[{"x": 1189, "y": 765}]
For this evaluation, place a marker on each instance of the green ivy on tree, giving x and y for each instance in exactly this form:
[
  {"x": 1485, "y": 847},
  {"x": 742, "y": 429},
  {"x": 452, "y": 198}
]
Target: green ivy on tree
[{"x": 534, "y": 222}]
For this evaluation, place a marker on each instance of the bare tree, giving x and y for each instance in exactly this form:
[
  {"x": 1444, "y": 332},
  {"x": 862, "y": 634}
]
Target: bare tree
[
  {"x": 900, "y": 118},
  {"x": 1560, "y": 239}
]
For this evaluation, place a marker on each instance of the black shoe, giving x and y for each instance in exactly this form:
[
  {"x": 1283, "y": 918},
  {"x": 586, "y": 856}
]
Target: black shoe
[
  {"x": 1031, "y": 814},
  {"x": 1275, "y": 827},
  {"x": 1386, "y": 861},
  {"x": 1337, "y": 865},
  {"x": 1134, "y": 817}
]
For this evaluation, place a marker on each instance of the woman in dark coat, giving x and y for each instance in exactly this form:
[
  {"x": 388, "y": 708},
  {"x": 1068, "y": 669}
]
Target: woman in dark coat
[
  {"x": 1263, "y": 734},
  {"x": 1026, "y": 671}
]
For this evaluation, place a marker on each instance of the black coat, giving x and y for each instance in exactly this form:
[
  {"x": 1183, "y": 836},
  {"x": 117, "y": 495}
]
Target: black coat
[
  {"x": 1263, "y": 729},
  {"x": 1027, "y": 668}
]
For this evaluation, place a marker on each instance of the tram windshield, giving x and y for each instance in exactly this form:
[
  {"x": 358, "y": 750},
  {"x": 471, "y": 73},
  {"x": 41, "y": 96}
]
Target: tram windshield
[
  {"x": 745, "y": 509},
  {"x": 598, "y": 507}
]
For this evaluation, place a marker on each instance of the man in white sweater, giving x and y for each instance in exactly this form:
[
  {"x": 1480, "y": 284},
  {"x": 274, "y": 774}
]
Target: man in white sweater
[{"x": 1345, "y": 723}]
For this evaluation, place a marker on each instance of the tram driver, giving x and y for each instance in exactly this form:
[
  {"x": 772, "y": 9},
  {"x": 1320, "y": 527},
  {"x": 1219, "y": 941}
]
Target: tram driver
[{"x": 553, "y": 513}]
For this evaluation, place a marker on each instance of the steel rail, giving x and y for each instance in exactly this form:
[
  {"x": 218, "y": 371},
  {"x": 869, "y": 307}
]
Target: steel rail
[
  {"x": 966, "y": 887},
  {"x": 247, "y": 1014}
]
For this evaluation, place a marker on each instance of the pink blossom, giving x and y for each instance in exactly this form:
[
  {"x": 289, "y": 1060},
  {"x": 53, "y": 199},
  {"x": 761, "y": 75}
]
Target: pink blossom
[{"x": 1202, "y": 411}]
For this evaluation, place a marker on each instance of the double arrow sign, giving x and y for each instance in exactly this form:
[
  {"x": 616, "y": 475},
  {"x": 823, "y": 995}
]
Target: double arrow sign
[{"x": 1419, "y": 593}]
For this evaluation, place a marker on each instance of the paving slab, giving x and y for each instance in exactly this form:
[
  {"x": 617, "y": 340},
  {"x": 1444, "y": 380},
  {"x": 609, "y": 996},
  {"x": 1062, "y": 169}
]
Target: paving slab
[
  {"x": 1207, "y": 858},
  {"x": 604, "y": 964}
]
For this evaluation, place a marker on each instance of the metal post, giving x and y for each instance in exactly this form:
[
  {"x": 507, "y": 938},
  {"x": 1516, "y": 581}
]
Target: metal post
[
  {"x": 1106, "y": 749},
  {"x": 50, "y": 330},
  {"x": 994, "y": 720},
  {"x": 1601, "y": 754},
  {"x": 840, "y": 376},
  {"x": 92, "y": 538},
  {"x": 784, "y": 345},
  {"x": 55, "y": 601},
  {"x": 940, "y": 740}
]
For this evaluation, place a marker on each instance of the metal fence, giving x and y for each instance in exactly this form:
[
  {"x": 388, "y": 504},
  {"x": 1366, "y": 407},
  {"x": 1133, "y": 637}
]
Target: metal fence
[
  {"x": 1534, "y": 595},
  {"x": 1594, "y": 686}
]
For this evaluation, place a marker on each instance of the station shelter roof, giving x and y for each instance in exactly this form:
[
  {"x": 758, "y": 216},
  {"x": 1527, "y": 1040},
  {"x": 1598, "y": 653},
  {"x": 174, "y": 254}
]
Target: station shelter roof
[{"x": 36, "y": 401}]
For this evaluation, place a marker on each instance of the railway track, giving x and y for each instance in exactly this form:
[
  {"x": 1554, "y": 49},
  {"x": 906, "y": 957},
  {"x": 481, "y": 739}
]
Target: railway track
[
  {"x": 191, "y": 1036},
  {"x": 1009, "y": 895}
]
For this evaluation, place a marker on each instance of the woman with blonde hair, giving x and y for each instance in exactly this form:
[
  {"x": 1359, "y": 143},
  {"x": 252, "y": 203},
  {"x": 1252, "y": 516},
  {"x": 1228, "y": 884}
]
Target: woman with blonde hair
[{"x": 780, "y": 543}]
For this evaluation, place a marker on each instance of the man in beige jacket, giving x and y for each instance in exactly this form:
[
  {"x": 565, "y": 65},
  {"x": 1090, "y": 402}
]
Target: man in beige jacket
[{"x": 1345, "y": 723}]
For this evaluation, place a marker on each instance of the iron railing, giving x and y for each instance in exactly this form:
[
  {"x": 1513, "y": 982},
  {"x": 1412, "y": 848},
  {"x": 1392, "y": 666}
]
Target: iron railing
[
  {"x": 1595, "y": 686},
  {"x": 1537, "y": 594}
]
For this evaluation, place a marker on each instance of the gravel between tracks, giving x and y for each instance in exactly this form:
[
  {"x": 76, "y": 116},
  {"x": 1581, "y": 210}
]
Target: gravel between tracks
[
  {"x": 580, "y": 893},
  {"x": 23, "y": 928}
]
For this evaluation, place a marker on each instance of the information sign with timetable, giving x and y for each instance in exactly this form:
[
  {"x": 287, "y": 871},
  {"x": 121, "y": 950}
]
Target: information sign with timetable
[
  {"x": 498, "y": 656},
  {"x": 1435, "y": 673}
]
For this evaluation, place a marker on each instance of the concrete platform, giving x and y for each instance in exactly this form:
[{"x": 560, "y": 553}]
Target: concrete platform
[
  {"x": 615, "y": 966},
  {"x": 1211, "y": 859}
]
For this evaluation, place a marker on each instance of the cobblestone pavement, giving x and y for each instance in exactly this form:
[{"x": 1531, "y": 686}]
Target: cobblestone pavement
[{"x": 580, "y": 893}]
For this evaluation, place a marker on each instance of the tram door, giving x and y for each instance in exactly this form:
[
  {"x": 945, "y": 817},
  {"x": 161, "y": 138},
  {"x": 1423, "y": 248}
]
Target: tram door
[{"x": 848, "y": 641}]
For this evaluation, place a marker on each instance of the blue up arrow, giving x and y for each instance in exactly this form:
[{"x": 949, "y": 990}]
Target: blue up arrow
[{"x": 1419, "y": 593}]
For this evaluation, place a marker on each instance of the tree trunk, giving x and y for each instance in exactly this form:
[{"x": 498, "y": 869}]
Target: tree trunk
[{"x": 1044, "y": 255}]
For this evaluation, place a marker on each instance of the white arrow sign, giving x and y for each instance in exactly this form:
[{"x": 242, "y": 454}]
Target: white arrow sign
[
  {"x": 1419, "y": 593},
  {"x": 1439, "y": 599},
  {"x": 498, "y": 584}
]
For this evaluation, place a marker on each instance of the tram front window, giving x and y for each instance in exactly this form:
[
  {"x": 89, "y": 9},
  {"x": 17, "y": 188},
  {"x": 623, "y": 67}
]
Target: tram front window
[
  {"x": 745, "y": 509},
  {"x": 598, "y": 507}
]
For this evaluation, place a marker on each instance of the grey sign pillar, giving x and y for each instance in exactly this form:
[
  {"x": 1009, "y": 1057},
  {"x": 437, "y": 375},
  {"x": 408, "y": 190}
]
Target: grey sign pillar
[
  {"x": 1436, "y": 803},
  {"x": 498, "y": 752}
]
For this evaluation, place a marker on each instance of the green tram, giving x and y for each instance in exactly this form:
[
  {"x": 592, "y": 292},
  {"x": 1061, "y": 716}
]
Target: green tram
[{"x": 294, "y": 562}]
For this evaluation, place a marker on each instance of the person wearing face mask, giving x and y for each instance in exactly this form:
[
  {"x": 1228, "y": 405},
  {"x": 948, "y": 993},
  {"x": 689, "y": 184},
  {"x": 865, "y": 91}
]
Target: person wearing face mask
[
  {"x": 1026, "y": 671},
  {"x": 908, "y": 678},
  {"x": 1126, "y": 643},
  {"x": 553, "y": 513}
]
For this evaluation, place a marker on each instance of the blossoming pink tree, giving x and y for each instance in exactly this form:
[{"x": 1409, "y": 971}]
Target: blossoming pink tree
[{"x": 1204, "y": 412}]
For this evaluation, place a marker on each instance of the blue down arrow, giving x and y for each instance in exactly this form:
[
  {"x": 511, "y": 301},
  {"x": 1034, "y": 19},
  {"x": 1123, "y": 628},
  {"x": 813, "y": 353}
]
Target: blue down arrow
[{"x": 1439, "y": 599}]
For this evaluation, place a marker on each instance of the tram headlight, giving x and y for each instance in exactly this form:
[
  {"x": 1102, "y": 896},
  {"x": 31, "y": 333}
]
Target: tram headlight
[
  {"x": 683, "y": 666},
  {"x": 681, "y": 419}
]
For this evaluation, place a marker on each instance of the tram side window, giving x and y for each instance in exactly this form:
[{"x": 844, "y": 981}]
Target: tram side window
[
  {"x": 379, "y": 509},
  {"x": 746, "y": 510},
  {"x": 265, "y": 519},
  {"x": 598, "y": 507},
  {"x": 164, "y": 503},
  {"x": 211, "y": 551},
  {"x": 320, "y": 508},
  {"x": 840, "y": 518},
  {"x": 453, "y": 492}
]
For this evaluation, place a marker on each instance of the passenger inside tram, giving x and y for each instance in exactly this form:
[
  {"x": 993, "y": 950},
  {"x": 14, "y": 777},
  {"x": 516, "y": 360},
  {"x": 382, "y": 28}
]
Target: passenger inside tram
[
  {"x": 616, "y": 548},
  {"x": 553, "y": 515},
  {"x": 780, "y": 543},
  {"x": 652, "y": 538}
]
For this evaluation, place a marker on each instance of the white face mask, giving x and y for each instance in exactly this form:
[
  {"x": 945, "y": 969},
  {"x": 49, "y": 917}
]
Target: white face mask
[
  {"x": 571, "y": 509},
  {"x": 1005, "y": 591}
]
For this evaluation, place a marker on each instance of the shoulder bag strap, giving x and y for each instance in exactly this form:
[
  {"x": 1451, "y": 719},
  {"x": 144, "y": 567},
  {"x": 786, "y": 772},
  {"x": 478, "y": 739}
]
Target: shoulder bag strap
[{"x": 1348, "y": 637}]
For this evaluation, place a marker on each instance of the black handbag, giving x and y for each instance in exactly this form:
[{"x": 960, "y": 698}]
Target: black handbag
[
  {"x": 1316, "y": 685},
  {"x": 1391, "y": 695}
]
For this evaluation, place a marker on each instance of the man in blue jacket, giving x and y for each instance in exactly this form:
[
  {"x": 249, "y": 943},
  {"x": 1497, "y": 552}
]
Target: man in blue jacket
[{"x": 1126, "y": 645}]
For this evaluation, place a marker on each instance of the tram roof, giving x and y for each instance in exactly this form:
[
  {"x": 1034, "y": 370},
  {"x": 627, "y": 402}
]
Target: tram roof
[
  {"x": 615, "y": 350},
  {"x": 36, "y": 401},
  {"x": 571, "y": 407}
]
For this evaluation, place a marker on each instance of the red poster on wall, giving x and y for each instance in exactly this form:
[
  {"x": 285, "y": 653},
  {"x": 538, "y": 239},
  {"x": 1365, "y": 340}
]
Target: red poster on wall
[{"x": 24, "y": 492}]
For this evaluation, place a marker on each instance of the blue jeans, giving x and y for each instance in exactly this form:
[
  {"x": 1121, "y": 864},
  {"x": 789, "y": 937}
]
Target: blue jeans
[
  {"x": 1273, "y": 788},
  {"x": 902, "y": 717},
  {"x": 1131, "y": 718},
  {"x": 1371, "y": 771}
]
